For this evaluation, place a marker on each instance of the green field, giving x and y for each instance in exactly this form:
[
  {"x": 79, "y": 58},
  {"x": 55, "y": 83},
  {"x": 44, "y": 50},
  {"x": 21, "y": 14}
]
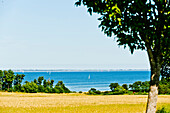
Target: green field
[{"x": 75, "y": 103}]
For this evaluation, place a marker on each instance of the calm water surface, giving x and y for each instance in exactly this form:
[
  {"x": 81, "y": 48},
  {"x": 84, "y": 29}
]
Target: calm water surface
[{"x": 83, "y": 81}]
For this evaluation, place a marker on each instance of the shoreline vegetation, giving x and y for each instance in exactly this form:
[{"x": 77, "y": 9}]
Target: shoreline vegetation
[{"x": 11, "y": 82}]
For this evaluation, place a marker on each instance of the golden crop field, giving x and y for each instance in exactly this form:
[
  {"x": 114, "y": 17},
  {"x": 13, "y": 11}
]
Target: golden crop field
[{"x": 75, "y": 103}]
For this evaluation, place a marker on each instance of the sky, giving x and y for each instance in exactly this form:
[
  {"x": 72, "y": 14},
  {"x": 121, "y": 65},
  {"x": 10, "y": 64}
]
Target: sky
[{"x": 55, "y": 34}]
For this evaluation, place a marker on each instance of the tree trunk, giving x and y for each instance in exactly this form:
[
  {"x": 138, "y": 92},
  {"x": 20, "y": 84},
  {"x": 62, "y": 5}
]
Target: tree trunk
[
  {"x": 152, "y": 99},
  {"x": 153, "y": 93}
]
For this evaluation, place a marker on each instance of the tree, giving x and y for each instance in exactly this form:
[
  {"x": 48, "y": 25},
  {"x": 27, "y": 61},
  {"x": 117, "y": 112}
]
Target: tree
[
  {"x": 40, "y": 80},
  {"x": 138, "y": 24},
  {"x": 125, "y": 86},
  {"x": 17, "y": 81},
  {"x": 120, "y": 90},
  {"x": 145, "y": 86},
  {"x": 35, "y": 81},
  {"x": 137, "y": 86},
  {"x": 8, "y": 78},
  {"x": 30, "y": 87},
  {"x": 45, "y": 83},
  {"x": 1, "y": 79},
  {"x": 61, "y": 84},
  {"x": 165, "y": 70},
  {"x": 113, "y": 86},
  {"x": 51, "y": 83}
]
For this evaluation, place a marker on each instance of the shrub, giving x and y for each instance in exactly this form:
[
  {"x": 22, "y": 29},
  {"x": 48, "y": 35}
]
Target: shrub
[
  {"x": 17, "y": 88},
  {"x": 106, "y": 93},
  {"x": 30, "y": 87},
  {"x": 125, "y": 86},
  {"x": 130, "y": 92},
  {"x": 59, "y": 89},
  {"x": 91, "y": 91},
  {"x": 97, "y": 92},
  {"x": 62, "y": 86},
  {"x": 40, "y": 88},
  {"x": 80, "y": 91},
  {"x": 10, "y": 90},
  {"x": 120, "y": 90},
  {"x": 162, "y": 110},
  {"x": 47, "y": 90},
  {"x": 113, "y": 86}
]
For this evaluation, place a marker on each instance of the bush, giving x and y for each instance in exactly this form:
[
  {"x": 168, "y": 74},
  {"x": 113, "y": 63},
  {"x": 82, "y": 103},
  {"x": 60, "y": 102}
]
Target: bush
[
  {"x": 97, "y": 92},
  {"x": 59, "y": 89},
  {"x": 91, "y": 91},
  {"x": 107, "y": 93},
  {"x": 47, "y": 90},
  {"x": 40, "y": 88},
  {"x": 30, "y": 87},
  {"x": 113, "y": 86},
  {"x": 162, "y": 110},
  {"x": 17, "y": 88},
  {"x": 130, "y": 92},
  {"x": 10, "y": 90},
  {"x": 80, "y": 91},
  {"x": 120, "y": 90},
  {"x": 63, "y": 87}
]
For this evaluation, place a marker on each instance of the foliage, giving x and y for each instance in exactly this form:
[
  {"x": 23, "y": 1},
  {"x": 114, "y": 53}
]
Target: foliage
[
  {"x": 8, "y": 79},
  {"x": 125, "y": 86},
  {"x": 30, "y": 87},
  {"x": 10, "y": 82},
  {"x": 47, "y": 90},
  {"x": 164, "y": 86},
  {"x": 93, "y": 91},
  {"x": 40, "y": 88},
  {"x": 80, "y": 91},
  {"x": 120, "y": 90},
  {"x": 140, "y": 86},
  {"x": 162, "y": 110},
  {"x": 1, "y": 79},
  {"x": 17, "y": 82},
  {"x": 136, "y": 23},
  {"x": 58, "y": 89},
  {"x": 113, "y": 86},
  {"x": 165, "y": 70},
  {"x": 40, "y": 80},
  {"x": 61, "y": 84}
]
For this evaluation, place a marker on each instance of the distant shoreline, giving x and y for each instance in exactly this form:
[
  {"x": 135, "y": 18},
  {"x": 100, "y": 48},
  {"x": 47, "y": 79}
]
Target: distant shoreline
[{"x": 76, "y": 70}]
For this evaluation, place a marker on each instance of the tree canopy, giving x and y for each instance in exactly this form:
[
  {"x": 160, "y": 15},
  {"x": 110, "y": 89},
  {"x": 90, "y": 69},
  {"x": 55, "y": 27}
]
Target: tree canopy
[{"x": 136, "y": 23}]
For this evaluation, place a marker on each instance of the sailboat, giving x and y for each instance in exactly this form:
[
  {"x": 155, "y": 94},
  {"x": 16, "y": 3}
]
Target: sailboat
[{"x": 89, "y": 76}]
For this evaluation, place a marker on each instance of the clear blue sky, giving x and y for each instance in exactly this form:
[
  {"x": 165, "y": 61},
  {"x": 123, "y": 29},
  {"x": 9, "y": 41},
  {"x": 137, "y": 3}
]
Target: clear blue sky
[{"x": 56, "y": 34}]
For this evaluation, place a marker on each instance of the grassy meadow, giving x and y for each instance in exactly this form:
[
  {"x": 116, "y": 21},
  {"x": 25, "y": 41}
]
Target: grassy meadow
[{"x": 75, "y": 103}]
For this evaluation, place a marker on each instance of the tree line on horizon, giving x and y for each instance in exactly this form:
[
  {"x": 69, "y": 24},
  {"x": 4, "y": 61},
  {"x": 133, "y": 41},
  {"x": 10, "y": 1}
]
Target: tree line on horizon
[
  {"x": 12, "y": 83},
  {"x": 138, "y": 88}
]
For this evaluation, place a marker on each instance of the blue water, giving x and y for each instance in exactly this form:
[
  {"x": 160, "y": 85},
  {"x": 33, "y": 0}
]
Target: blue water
[{"x": 79, "y": 81}]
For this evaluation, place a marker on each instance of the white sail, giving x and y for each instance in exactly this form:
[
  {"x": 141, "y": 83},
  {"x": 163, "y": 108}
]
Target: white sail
[{"x": 89, "y": 77}]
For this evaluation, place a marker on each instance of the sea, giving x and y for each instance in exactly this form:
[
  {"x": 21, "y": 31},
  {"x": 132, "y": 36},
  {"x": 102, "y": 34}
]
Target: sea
[{"x": 84, "y": 81}]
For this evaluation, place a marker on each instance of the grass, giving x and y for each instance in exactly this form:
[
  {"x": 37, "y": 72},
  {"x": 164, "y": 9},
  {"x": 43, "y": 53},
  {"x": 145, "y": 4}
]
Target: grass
[{"x": 75, "y": 103}]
